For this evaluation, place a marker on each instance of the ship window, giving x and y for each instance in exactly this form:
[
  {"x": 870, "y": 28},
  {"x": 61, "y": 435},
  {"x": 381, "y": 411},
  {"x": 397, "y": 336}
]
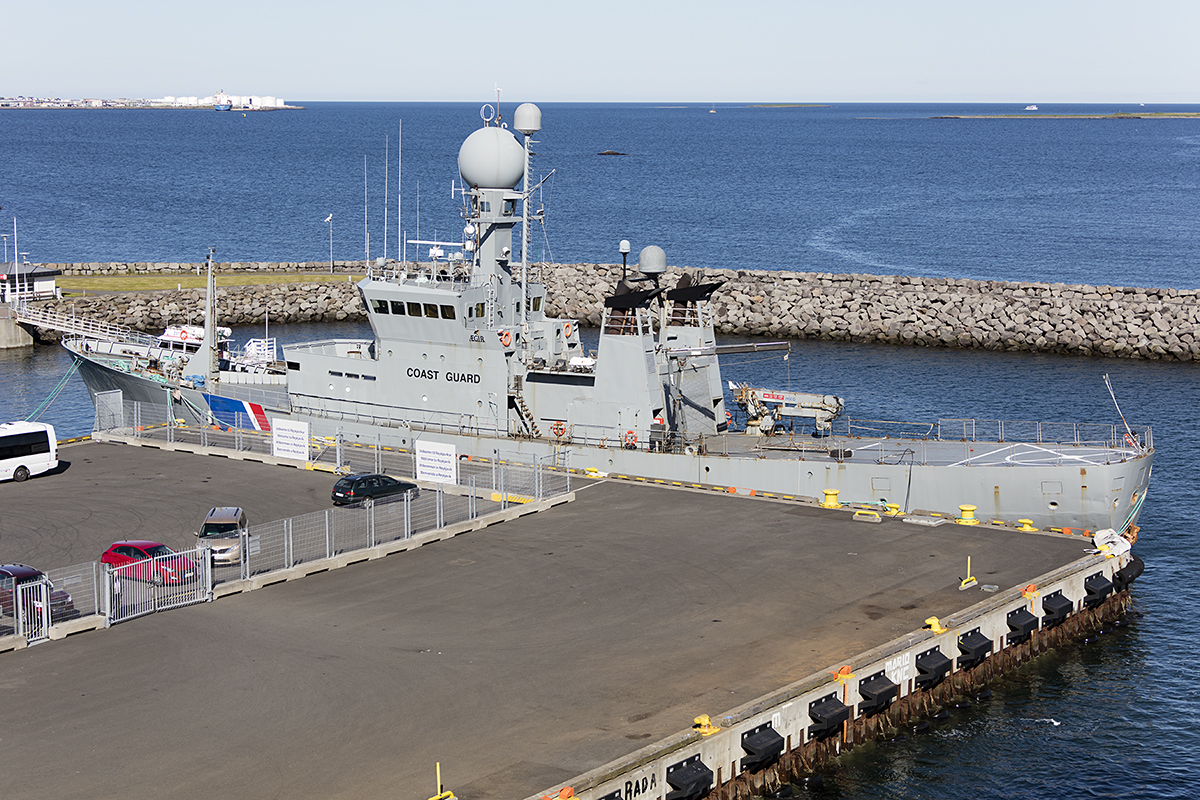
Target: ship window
[
  {"x": 447, "y": 312},
  {"x": 351, "y": 375},
  {"x": 294, "y": 366},
  {"x": 509, "y": 207},
  {"x": 398, "y": 307},
  {"x": 368, "y": 377},
  {"x": 414, "y": 309},
  {"x": 518, "y": 308},
  {"x": 479, "y": 309},
  {"x": 431, "y": 310},
  {"x": 470, "y": 312},
  {"x": 380, "y": 306},
  {"x": 335, "y": 374},
  {"x": 537, "y": 304}
]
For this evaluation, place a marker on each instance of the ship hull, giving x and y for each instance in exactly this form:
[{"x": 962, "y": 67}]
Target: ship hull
[{"x": 1105, "y": 493}]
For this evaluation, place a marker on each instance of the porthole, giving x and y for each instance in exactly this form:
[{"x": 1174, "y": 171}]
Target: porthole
[
  {"x": 443, "y": 357},
  {"x": 424, "y": 398},
  {"x": 424, "y": 356},
  {"x": 331, "y": 387},
  {"x": 1053, "y": 505}
]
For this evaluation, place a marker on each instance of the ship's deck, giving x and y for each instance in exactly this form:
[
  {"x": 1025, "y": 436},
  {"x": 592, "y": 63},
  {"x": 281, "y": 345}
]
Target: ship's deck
[{"x": 518, "y": 656}]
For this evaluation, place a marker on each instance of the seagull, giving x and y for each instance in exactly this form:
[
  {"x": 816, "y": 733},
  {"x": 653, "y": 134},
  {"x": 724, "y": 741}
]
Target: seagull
[{"x": 328, "y": 218}]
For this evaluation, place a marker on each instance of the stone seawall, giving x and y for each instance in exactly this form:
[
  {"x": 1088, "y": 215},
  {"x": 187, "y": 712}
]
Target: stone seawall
[{"x": 1111, "y": 321}]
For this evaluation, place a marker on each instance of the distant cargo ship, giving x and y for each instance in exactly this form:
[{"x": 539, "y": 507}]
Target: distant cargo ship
[{"x": 222, "y": 103}]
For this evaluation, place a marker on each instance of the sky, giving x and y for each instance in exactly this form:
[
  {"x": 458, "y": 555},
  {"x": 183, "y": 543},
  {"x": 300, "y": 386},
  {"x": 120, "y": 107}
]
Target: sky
[{"x": 1022, "y": 51}]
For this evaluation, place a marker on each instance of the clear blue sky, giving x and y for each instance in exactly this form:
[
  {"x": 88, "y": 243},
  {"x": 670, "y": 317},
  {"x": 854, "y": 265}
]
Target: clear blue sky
[{"x": 1021, "y": 51}]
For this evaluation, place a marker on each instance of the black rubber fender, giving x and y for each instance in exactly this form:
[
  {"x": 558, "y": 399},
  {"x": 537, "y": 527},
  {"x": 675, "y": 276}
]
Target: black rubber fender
[{"x": 1125, "y": 576}]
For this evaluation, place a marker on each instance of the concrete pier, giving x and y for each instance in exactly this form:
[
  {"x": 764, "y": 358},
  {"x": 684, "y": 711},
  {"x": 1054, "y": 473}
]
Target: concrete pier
[
  {"x": 11, "y": 333},
  {"x": 522, "y": 656}
]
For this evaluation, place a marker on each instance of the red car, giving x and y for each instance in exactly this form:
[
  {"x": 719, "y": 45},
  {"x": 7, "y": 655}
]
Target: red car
[{"x": 153, "y": 562}]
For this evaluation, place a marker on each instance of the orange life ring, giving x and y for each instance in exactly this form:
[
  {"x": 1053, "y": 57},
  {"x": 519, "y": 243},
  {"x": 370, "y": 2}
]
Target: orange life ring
[
  {"x": 567, "y": 329},
  {"x": 1129, "y": 441},
  {"x": 505, "y": 338},
  {"x": 728, "y": 417},
  {"x": 558, "y": 429},
  {"x": 630, "y": 439},
  {"x": 183, "y": 335}
]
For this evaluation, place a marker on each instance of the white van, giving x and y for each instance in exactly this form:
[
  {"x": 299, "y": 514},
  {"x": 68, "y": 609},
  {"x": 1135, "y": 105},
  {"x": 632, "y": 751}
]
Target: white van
[{"x": 26, "y": 448}]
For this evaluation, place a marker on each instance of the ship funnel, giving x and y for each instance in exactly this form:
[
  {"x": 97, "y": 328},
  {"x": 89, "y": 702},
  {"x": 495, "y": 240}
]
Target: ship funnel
[
  {"x": 652, "y": 260},
  {"x": 527, "y": 119}
]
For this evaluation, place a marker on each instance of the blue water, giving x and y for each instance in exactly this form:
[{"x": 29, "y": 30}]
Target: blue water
[
  {"x": 846, "y": 188},
  {"x": 841, "y": 189}
]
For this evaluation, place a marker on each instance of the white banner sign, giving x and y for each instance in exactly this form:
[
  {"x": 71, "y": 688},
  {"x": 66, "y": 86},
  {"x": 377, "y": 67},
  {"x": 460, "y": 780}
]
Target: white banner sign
[
  {"x": 289, "y": 439},
  {"x": 437, "y": 463}
]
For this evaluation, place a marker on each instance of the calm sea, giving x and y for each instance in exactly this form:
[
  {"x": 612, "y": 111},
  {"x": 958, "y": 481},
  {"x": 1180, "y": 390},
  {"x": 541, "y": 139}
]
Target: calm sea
[{"x": 879, "y": 189}]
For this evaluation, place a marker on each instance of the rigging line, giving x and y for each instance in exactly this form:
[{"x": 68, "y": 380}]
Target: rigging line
[{"x": 55, "y": 392}]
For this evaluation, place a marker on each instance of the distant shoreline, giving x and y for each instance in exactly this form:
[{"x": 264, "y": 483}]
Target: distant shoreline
[
  {"x": 144, "y": 107},
  {"x": 1116, "y": 115}
]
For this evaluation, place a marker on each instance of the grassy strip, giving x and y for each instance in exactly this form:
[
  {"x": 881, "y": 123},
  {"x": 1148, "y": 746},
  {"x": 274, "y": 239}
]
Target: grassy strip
[{"x": 154, "y": 283}]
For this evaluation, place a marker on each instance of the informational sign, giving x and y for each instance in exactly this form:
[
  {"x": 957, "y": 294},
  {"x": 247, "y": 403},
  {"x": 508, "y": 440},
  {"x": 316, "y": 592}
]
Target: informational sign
[
  {"x": 289, "y": 439},
  {"x": 437, "y": 463}
]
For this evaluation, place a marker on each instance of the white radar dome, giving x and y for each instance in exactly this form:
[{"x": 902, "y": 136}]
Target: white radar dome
[
  {"x": 491, "y": 158},
  {"x": 652, "y": 260},
  {"x": 527, "y": 118}
]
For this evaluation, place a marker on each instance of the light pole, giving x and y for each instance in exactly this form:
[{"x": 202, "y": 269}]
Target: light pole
[
  {"x": 5, "y": 235},
  {"x": 329, "y": 219}
]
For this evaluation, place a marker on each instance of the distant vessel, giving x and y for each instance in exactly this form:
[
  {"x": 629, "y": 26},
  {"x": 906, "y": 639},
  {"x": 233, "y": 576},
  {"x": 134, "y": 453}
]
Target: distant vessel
[
  {"x": 713, "y": 110},
  {"x": 222, "y": 103},
  {"x": 1031, "y": 108}
]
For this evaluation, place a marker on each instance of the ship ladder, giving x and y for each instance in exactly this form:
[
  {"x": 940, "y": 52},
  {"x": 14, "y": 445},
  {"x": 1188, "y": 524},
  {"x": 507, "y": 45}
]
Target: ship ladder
[{"x": 523, "y": 410}]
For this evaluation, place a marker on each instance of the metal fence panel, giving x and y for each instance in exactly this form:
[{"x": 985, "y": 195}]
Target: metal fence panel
[
  {"x": 33, "y": 610},
  {"x": 82, "y": 587},
  {"x": 157, "y": 584}
]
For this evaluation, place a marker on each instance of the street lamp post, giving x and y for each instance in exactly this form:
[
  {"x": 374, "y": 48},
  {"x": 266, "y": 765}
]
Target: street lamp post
[{"x": 329, "y": 219}]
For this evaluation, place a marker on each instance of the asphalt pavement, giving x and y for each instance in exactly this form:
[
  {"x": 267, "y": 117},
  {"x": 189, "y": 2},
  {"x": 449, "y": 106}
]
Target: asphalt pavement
[{"x": 518, "y": 656}]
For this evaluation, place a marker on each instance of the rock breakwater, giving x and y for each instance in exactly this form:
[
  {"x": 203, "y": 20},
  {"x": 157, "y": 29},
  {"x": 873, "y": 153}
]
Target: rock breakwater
[{"x": 1123, "y": 322}]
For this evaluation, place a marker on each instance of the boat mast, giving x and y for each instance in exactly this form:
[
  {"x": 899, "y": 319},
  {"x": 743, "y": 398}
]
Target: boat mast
[
  {"x": 528, "y": 120},
  {"x": 385, "y": 193},
  {"x": 399, "y": 228},
  {"x": 209, "y": 345}
]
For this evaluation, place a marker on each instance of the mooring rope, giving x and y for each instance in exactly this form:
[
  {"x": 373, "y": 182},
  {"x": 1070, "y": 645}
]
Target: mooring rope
[{"x": 55, "y": 392}]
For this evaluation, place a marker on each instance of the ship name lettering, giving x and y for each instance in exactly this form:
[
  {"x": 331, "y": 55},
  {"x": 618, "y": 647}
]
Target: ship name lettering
[
  {"x": 462, "y": 377},
  {"x": 418, "y": 372}
]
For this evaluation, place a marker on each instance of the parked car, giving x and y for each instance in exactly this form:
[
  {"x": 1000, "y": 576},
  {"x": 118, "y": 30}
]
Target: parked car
[
  {"x": 152, "y": 562},
  {"x": 356, "y": 488},
  {"x": 13, "y": 575},
  {"x": 222, "y": 531}
]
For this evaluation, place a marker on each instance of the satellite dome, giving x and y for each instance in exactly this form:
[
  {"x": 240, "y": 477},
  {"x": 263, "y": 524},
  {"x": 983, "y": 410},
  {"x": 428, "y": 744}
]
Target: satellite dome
[
  {"x": 491, "y": 158},
  {"x": 527, "y": 119},
  {"x": 652, "y": 260}
]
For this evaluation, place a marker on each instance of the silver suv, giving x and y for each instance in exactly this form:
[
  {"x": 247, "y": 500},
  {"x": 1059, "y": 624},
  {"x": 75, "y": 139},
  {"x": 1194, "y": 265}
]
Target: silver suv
[{"x": 222, "y": 531}]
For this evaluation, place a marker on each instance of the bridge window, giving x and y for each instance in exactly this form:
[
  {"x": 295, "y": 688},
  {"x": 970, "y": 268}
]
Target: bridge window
[
  {"x": 537, "y": 303},
  {"x": 479, "y": 309},
  {"x": 380, "y": 306},
  {"x": 431, "y": 310},
  {"x": 398, "y": 307},
  {"x": 447, "y": 312},
  {"x": 414, "y": 309}
]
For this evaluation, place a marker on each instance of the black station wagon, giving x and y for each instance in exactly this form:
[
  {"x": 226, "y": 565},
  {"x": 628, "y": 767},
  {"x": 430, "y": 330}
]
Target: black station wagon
[{"x": 356, "y": 488}]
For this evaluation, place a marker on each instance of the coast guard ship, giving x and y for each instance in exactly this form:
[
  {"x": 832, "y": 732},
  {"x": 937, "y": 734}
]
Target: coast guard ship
[{"x": 463, "y": 353}]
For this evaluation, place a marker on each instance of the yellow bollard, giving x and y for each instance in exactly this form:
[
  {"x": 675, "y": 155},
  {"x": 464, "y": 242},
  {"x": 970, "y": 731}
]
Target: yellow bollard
[
  {"x": 893, "y": 509},
  {"x": 966, "y": 515},
  {"x": 1026, "y": 525},
  {"x": 831, "y": 500}
]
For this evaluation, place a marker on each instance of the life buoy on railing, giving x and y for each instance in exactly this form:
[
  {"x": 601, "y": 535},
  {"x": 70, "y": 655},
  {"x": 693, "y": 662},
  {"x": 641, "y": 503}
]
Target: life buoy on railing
[
  {"x": 630, "y": 439},
  {"x": 567, "y": 329},
  {"x": 1129, "y": 441},
  {"x": 183, "y": 335},
  {"x": 505, "y": 338},
  {"x": 558, "y": 429}
]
